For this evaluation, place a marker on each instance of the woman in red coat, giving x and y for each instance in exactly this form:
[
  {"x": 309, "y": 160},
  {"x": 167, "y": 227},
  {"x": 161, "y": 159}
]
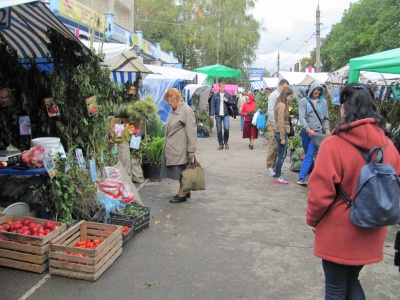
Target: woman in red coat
[
  {"x": 249, "y": 131},
  {"x": 343, "y": 247}
]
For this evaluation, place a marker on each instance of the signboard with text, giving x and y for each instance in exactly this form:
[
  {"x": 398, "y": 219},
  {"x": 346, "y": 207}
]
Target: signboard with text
[
  {"x": 83, "y": 14},
  {"x": 5, "y": 17},
  {"x": 255, "y": 74}
]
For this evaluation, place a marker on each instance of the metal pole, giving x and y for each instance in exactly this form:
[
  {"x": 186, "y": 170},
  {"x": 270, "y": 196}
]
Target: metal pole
[{"x": 278, "y": 52}]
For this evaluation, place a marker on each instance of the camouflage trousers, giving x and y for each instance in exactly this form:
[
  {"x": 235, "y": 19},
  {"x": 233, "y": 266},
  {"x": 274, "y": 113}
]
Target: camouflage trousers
[{"x": 272, "y": 147}]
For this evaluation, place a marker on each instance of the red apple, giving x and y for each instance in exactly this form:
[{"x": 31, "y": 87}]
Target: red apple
[
  {"x": 47, "y": 231},
  {"x": 48, "y": 225},
  {"x": 26, "y": 232},
  {"x": 40, "y": 234},
  {"x": 19, "y": 230},
  {"x": 7, "y": 227},
  {"x": 26, "y": 222}
]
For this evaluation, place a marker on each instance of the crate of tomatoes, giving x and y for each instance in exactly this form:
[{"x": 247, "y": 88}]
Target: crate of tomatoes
[
  {"x": 86, "y": 250},
  {"x": 140, "y": 215},
  {"x": 24, "y": 242},
  {"x": 128, "y": 229}
]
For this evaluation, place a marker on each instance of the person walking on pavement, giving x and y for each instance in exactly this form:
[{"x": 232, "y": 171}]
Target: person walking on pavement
[
  {"x": 344, "y": 247},
  {"x": 241, "y": 101},
  {"x": 272, "y": 147},
  {"x": 249, "y": 130},
  {"x": 180, "y": 141},
  {"x": 313, "y": 113},
  {"x": 219, "y": 109},
  {"x": 281, "y": 130}
]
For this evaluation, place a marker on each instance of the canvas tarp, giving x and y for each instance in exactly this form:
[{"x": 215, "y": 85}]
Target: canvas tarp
[
  {"x": 382, "y": 62},
  {"x": 27, "y": 29},
  {"x": 200, "y": 90}
]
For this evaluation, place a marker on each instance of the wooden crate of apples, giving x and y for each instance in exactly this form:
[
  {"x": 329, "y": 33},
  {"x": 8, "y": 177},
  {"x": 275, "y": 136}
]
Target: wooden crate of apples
[{"x": 24, "y": 242}]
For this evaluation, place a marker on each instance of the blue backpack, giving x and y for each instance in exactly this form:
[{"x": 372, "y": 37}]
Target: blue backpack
[
  {"x": 261, "y": 121},
  {"x": 377, "y": 199}
]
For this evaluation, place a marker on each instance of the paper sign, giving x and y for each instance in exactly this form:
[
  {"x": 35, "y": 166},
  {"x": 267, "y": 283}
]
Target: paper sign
[
  {"x": 52, "y": 108},
  {"x": 24, "y": 125},
  {"x": 135, "y": 142},
  {"x": 91, "y": 105},
  {"x": 118, "y": 129},
  {"x": 80, "y": 158},
  {"x": 92, "y": 166},
  {"x": 50, "y": 166}
]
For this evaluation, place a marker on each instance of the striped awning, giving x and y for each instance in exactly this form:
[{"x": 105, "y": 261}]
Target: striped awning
[
  {"x": 26, "y": 27},
  {"x": 258, "y": 85},
  {"x": 122, "y": 77}
]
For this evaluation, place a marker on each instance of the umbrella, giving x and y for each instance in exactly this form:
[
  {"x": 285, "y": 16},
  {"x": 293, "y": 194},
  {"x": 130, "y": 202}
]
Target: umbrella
[{"x": 217, "y": 70}]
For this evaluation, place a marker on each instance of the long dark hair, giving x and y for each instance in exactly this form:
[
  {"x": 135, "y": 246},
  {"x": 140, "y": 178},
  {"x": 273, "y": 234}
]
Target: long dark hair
[
  {"x": 282, "y": 97},
  {"x": 358, "y": 103}
]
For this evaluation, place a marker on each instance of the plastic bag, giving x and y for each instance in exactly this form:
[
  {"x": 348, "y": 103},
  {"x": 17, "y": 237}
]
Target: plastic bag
[
  {"x": 33, "y": 158},
  {"x": 254, "y": 120}
]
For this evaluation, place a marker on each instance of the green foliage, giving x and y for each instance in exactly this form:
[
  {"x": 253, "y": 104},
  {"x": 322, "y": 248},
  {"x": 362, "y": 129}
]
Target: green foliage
[
  {"x": 155, "y": 128},
  {"x": 142, "y": 109},
  {"x": 69, "y": 195},
  {"x": 202, "y": 32},
  {"x": 203, "y": 121},
  {"x": 261, "y": 97},
  {"x": 390, "y": 109},
  {"x": 295, "y": 142},
  {"x": 367, "y": 27},
  {"x": 156, "y": 151}
]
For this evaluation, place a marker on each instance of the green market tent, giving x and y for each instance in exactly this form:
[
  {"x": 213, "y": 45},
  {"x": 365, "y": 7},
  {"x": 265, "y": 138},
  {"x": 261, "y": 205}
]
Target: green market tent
[
  {"x": 217, "y": 71},
  {"x": 382, "y": 62}
]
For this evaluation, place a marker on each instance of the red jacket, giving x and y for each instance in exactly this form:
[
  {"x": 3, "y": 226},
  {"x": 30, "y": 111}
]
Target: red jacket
[
  {"x": 248, "y": 106},
  {"x": 336, "y": 238}
]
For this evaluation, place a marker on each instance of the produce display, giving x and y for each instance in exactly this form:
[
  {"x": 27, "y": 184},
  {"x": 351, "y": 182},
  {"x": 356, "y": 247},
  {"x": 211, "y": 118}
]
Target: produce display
[
  {"x": 131, "y": 210},
  {"x": 125, "y": 230},
  {"x": 33, "y": 158},
  {"x": 28, "y": 227}
]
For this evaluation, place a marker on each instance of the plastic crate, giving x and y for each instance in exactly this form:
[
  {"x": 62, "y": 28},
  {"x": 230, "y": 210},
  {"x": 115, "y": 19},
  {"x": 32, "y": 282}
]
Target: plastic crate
[
  {"x": 127, "y": 238},
  {"x": 141, "y": 222}
]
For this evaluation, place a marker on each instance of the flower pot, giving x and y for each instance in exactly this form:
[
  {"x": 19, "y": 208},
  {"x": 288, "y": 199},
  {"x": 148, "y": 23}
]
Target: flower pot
[
  {"x": 155, "y": 173},
  {"x": 146, "y": 169}
]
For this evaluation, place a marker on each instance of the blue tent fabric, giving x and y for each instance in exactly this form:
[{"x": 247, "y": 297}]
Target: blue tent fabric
[
  {"x": 27, "y": 30},
  {"x": 122, "y": 77},
  {"x": 156, "y": 86},
  {"x": 257, "y": 85}
]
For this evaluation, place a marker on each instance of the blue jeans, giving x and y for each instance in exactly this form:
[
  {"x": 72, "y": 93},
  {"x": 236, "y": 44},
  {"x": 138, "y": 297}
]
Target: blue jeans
[
  {"x": 282, "y": 150},
  {"x": 309, "y": 149},
  {"x": 241, "y": 122},
  {"x": 341, "y": 282},
  {"x": 218, "y": 122}
]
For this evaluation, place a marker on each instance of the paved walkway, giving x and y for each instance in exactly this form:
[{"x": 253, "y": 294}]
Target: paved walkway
[{"x": 242, "y": 238}]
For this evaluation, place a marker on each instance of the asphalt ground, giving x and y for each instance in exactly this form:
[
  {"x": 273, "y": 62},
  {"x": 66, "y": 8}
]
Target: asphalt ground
[{"x": 244, "y": 237}]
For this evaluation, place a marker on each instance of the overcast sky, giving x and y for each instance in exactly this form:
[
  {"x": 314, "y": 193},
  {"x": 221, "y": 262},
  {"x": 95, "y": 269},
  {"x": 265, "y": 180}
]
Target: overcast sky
[{"x": 293, "y": 19}]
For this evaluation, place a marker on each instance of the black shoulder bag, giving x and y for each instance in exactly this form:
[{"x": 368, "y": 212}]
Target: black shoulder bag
[{"x": 313, "y": 107}]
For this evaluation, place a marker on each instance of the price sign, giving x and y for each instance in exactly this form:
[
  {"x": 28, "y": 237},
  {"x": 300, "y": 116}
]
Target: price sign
[{"x": 5, "y": 17}]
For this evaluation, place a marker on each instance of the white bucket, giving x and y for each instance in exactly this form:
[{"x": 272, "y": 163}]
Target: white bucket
[{"x": 47, "y": 143}]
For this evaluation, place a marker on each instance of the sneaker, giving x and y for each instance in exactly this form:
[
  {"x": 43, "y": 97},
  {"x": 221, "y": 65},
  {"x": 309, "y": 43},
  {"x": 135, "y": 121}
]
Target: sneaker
[
  {"x": 270, "y": 172},
  {"x": 302, "y": 181},
  {"x": 281, "y": 180}
]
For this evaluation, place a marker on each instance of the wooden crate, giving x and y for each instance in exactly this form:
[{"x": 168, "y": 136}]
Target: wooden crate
[
  {"x": 26, "y": 252},
  {"x": 97, "y": 260}
]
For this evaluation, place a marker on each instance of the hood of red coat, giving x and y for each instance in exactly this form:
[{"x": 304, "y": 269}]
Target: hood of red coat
[{"x": 364, "y": 133}]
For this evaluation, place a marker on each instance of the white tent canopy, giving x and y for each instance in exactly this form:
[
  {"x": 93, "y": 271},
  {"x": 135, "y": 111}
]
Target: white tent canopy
[
  {"x": 110, "y": 50},
  {"x": 271, "y": 82},
  {"x": 339, "y": 76},
  {"x": 292, "y": 77},
  {"x": 311, "y": 77},
  {"x": 178, "y": 73}
]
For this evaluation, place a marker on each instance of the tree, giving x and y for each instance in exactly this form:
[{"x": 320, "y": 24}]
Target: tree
[
  {"x": 367, "y": 27},
  {"x": 199, "y": 32}
]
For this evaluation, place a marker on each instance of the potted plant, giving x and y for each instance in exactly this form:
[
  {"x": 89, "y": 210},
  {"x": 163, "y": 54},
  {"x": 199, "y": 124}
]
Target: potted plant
[{"x": 155, "y": 158}]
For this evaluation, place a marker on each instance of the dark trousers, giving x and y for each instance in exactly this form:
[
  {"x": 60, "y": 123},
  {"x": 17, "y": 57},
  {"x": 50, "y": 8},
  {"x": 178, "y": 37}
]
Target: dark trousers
[{"x": 341, "y": 282}]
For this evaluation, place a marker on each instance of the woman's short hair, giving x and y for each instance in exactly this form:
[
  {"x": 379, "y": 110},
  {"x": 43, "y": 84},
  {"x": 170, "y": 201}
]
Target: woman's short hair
[{"x": 172, "y": 93}]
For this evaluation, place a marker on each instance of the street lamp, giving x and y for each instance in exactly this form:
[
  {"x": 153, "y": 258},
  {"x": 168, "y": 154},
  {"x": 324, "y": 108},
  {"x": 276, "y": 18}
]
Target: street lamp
[{"x": 278, "y": 50}]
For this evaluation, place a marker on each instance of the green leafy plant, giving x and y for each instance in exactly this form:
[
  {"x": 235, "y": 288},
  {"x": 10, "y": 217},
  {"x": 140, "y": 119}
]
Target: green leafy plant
[
  {"x": 69, "y": 195},
  {"x": 142, "y": 109},
  {"x": 155, "y": 128},
  {"x": 156, "y": 151}
]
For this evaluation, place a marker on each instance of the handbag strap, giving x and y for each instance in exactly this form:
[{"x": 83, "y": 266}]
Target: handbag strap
[{"x": 313, "y": 107}]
